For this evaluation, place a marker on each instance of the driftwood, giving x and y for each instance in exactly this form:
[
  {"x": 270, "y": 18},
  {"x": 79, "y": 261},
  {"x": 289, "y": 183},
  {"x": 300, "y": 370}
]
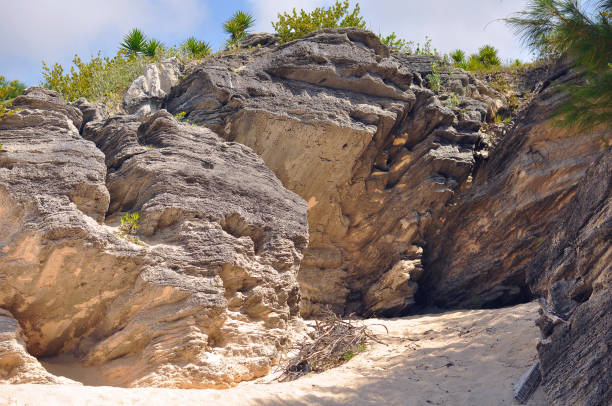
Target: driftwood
[{"x": 334, "y": 342}]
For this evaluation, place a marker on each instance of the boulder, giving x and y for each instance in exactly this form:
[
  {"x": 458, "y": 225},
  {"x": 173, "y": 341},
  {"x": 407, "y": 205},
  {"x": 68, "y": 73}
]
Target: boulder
[
  {"x": 145, "y": 94},
  {"x": 204, "y": 294}
]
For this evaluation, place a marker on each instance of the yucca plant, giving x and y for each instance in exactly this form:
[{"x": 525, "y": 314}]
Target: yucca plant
[
  {"x": 238, "y": 25},
  {"x": 152, "y": 48},
  {"x": 195, "y": 48},
  {"x": 488, "y": 56},
  {"x": 564, "y": 27},
  {"x": 134, "y": 42},
  {"x": 458, "y": 57}
]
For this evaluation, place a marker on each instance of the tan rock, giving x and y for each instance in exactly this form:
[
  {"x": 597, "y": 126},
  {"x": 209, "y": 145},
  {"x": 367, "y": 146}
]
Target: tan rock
[{"x": 16, "y": 365}]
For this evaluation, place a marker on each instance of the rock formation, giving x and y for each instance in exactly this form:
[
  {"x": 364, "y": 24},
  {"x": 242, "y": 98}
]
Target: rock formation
[
  {"x": 357, "y": 133},
  {"x": 408, "y": 199},
  {"x": 16, "y": 365},
  {"x": 201, "y": 296},
  {"x": 537, "y": 221},
  {"x": 146, "y": 93}
]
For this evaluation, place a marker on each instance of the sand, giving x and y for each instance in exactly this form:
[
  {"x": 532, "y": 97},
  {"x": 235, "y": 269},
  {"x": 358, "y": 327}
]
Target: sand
[{"x": 453, "y": 358}]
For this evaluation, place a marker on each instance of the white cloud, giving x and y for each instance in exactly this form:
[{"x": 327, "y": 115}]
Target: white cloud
[{"x": 451, "y": 24}]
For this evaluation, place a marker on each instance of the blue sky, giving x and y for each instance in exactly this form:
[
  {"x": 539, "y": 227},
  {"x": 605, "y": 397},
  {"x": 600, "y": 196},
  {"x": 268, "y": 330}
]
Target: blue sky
[{"x": 54, "y": 30}]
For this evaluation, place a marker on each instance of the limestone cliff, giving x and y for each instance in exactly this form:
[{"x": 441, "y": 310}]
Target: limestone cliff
[
  {"x": 356, "y": 133},
  {"x": 398, "y": 192},
  {"x": 537, "y": 221}
]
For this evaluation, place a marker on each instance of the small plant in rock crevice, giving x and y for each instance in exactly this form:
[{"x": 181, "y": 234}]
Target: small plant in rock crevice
[
  {"x": 434, "y": 79},
  {"x": 453, "y": 100},
  {"x": 129, "y": 226},
  {"x": 396, "y": 44}
]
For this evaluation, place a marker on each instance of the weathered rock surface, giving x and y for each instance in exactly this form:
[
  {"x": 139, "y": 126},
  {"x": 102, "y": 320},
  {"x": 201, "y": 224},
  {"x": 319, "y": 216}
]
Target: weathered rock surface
[
  {"x": 145, "y": 94},
  {"x": 16, "y": 365},
  {"x": 206, "y": 294},
  {"x": 356, "y": 133},
  {"x": 537, "y": 221}
]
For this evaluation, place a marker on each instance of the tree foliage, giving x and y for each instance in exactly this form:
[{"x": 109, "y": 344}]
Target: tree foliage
[
  {"x": 565, "y": 28},
  {"x": 294, "y": 25},
  {"x": 8, "y": 91}
]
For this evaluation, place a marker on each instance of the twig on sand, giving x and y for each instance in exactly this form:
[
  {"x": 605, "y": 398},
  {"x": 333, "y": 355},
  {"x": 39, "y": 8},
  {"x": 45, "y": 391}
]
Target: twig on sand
[{"x": 334, "y": 342}]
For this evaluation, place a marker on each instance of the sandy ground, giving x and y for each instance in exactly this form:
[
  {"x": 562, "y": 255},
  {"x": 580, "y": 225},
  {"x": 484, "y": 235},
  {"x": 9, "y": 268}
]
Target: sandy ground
[{"x": 454, "y": 358}]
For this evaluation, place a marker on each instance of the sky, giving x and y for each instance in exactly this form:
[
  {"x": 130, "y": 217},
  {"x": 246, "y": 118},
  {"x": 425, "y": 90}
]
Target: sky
[{"x": 56, "y": 30}]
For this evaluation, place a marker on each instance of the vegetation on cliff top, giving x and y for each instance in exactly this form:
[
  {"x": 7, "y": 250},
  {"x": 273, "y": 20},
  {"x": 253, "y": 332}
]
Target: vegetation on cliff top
[{"x": 292, "y": 25}]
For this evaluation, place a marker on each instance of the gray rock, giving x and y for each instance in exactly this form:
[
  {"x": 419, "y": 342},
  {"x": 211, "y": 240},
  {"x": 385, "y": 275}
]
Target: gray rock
[
  {"x": 258, "y": 39},
  {"x": 90, "y": 111},
  {"x": 203, "y": 295},
  {"x": 537, "y": 220},
  {"x": 352, "y": 130}
]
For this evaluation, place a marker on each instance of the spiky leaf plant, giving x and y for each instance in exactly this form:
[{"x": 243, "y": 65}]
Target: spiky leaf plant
[
  {"x": 487, "y": 55},
  {"x": 566, "y": 27},
  {"x": 134, "y": 42},
  {"x": 238, "y": 25},
  {"x": 195, "y": 48},
  {"x": 152, "y": 48},
  {"x": 458, "y": 57}
]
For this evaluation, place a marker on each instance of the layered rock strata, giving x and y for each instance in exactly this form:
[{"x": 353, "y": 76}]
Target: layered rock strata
[
  {"x": 356, "y": 133},
  {"x": 537, "y": 221},
  {"x": 202, "y": 295}
]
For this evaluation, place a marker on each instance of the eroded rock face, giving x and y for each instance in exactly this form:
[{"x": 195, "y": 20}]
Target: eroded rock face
[
  {"x": 16, "y": 365},
  {"x": 204, "y": 297},
  {"x": 537, "y": 221},
  {"x": 356, "y": 133}
]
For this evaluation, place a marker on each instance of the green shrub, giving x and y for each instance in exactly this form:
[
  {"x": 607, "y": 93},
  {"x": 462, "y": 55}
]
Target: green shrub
[
  {"x": 8, "y": 91},
  {"x": 396, "y": 44},
  {"x": 453, "y": 100},
  {"x": 488, "y": 56},
  {"x": 238, "y": 26},
  {"x": 99, "y": 80},
  {"x": 458, "y": 57},
  {"x": 153, "y": 48},
  {"x": 129, "y": 223},
  {"x": 434, "y": 79},
  {"x": 485, "y": 59},
  {"x": 294, "y": 25},
  {"x": 196, "y": 49},
  {"x": 426, "y": 48}
]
